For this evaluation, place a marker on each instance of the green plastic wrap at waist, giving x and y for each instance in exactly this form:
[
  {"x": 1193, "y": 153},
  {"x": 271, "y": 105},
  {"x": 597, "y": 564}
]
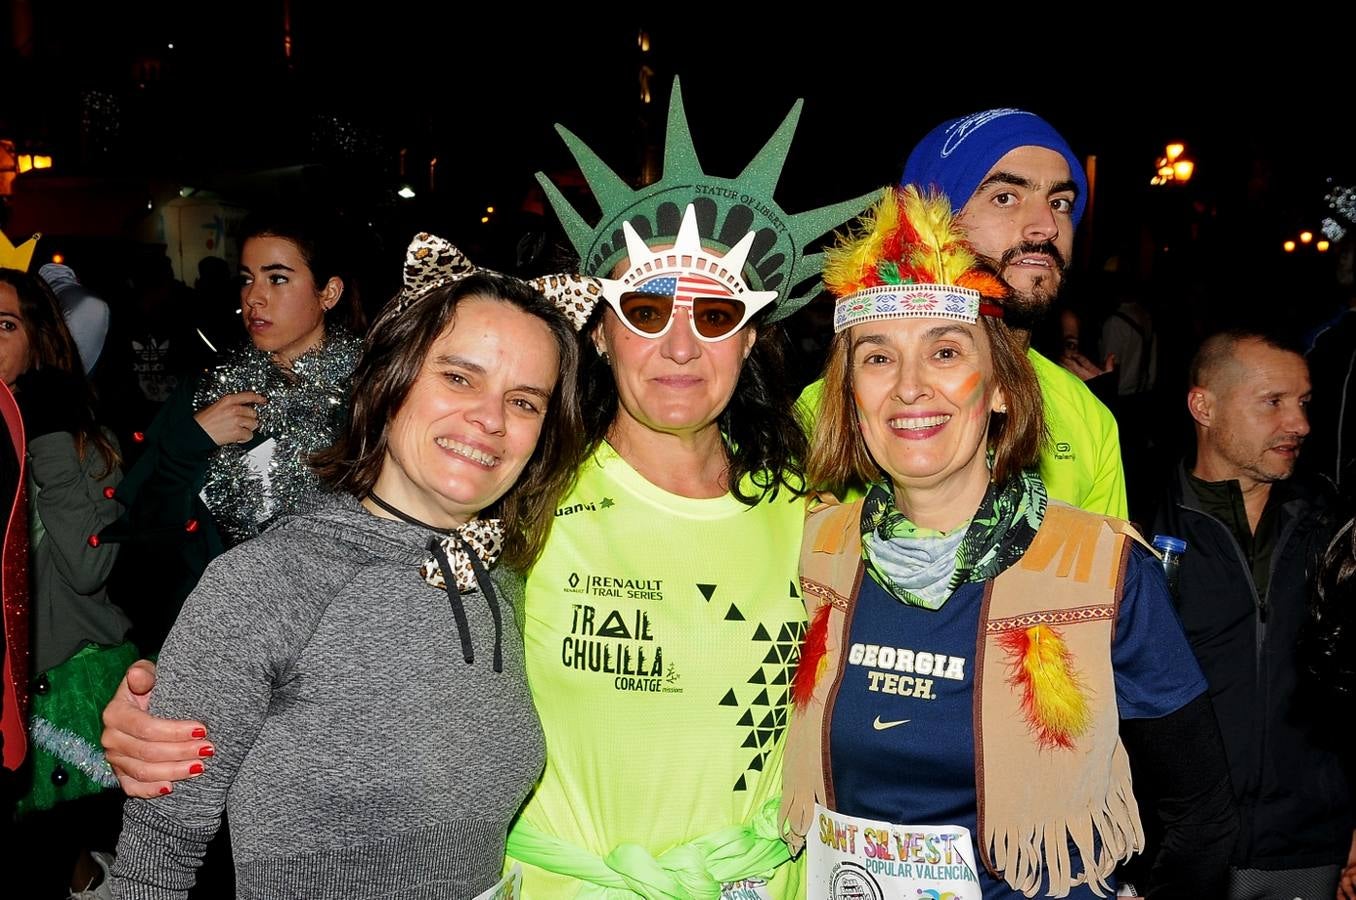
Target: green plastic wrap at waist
[{"x": 691, "y": 871}]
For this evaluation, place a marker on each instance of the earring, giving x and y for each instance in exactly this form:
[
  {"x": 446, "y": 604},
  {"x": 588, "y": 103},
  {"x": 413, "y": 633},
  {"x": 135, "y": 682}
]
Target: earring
[{"x": 1003, "y": 408}]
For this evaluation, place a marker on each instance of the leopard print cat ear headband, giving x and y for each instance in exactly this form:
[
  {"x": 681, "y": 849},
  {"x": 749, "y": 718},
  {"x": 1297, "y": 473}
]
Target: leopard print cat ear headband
[
  {"x": 459, "y": 561},
  {"x": 432, "y": 262}
]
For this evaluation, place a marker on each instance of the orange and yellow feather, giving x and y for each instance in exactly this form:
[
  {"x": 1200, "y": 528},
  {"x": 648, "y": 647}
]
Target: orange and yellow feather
[
  {"x": 1054, "y": 699},
  {"x": 907, "y": 237}
]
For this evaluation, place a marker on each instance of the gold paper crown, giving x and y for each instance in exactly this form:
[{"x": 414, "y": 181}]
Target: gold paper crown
[{"x": 12, "y": 257}]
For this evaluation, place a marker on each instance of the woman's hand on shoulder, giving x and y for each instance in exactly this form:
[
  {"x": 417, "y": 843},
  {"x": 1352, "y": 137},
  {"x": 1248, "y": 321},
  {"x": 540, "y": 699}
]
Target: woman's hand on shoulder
[
  {"x": 147, "y": 753},
  {"x": 232, "y": 419}
]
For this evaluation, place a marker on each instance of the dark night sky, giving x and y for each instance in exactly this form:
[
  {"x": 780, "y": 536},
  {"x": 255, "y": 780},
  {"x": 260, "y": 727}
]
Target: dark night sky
[{"x": 1266, "y": 125}]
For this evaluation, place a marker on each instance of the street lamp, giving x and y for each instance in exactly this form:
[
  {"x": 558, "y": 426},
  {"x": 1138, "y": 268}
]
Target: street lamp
[
  {"x": 1306, "y": 238},
  {"x": 1172, "y": 167}
]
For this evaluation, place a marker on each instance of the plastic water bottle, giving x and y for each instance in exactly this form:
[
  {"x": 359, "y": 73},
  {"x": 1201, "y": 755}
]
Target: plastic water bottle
[{"x": 1172, "y": 549}]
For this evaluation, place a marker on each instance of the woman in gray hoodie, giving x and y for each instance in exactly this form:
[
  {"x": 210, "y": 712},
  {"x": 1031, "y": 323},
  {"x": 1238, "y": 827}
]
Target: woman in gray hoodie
[{"x": 389, "y": 614}]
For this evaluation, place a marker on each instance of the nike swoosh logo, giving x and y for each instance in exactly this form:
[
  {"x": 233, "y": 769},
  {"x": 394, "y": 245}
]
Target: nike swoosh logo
[{"x": 881, "y": 726}]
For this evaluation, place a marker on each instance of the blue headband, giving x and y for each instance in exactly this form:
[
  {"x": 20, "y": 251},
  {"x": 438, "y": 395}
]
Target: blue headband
[{"x": 956, "y": 155}]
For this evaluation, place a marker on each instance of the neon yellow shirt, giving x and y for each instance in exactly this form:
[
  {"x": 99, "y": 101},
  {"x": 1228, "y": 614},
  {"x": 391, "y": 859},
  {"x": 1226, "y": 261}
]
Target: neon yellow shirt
[
  {"x": 1081, "y": 464},
  {"x": 661, "y": 635}
]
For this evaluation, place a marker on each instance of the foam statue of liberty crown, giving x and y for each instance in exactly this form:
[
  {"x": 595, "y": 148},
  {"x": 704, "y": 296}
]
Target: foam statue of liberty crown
[{"x": 745, "y": 231}]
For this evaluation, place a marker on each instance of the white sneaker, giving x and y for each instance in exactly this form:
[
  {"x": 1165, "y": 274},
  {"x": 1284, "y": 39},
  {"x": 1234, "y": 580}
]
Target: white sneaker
[{"x": 102, "y": 887}]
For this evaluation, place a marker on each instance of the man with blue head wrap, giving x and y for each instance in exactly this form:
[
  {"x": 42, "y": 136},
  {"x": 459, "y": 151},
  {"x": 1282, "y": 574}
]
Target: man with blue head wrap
[{"x": 1019, "y": 192}]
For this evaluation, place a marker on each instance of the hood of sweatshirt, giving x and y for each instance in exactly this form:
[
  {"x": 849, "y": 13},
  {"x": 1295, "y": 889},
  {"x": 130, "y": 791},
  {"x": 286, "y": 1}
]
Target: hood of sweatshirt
[{"x": 343, "y": 519}]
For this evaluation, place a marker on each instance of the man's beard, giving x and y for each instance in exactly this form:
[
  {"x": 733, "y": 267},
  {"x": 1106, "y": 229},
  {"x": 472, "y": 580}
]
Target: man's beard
[{"x": 1026, "y": 309}]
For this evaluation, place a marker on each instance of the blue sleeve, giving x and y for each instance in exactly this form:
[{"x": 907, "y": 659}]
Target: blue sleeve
[{"x": 1156, "y": 672}]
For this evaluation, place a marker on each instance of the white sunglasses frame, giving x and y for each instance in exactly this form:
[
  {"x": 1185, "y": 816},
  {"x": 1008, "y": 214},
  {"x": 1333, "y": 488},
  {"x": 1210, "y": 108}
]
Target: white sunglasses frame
[{"x": 614, "y": 300}]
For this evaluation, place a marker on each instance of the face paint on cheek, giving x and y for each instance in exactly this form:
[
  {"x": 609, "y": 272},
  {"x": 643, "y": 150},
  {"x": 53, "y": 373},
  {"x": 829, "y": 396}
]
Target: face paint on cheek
[
  {"x": 972, "y": 390},
  {"x": 979, "y": 398}
]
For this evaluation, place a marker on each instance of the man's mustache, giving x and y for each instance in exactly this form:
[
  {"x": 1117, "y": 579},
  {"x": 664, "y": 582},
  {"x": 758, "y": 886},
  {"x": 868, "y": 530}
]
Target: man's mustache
[{"x": 1029, "y": 248}]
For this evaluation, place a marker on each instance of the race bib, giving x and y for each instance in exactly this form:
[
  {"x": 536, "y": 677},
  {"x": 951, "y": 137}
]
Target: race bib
[
  {"x": 748, "y": 889},
  {"x": 861, "y": 859}
]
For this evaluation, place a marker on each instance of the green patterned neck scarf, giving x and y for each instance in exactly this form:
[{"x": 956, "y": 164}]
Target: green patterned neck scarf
[{"x": 922, "y": 567}]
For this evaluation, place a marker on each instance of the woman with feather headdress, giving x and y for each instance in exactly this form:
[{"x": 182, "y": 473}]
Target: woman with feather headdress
[{"x": 975, "y": 651}]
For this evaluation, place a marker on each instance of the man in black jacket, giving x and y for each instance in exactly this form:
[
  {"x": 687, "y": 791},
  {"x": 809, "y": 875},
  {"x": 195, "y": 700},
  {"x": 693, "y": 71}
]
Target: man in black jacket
[{"x": 1253, "y": 533}]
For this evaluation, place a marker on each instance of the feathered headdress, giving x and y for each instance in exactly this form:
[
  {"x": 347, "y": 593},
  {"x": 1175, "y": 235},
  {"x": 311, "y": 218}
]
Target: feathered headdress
[{"x": 906, "y": 257}]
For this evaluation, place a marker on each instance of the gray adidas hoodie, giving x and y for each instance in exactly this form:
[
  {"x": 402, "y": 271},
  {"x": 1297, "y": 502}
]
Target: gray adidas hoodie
[{"x": 358, "y": 755}]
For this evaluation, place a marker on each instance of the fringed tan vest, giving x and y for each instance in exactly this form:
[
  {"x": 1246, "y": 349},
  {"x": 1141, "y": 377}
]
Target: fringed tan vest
[{"x": 1033, "y": 797}]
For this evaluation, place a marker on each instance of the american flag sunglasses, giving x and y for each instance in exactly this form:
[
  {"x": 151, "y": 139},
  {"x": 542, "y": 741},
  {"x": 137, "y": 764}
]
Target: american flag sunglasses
[{"x": 714, "y": 313}]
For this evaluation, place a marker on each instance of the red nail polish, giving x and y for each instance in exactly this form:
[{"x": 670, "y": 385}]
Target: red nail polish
[
  {"x": 200, "y": 732},
  {"x": 191, "y": 526},
  {"x": 138, "y": 436},
  {"x": 93, "y": 540},
  {"x": 195, "y": 769},
  {"x": 164, "y": 791},
  {"x": 207, "y": 751},
  {"x": 109, "y": 492}
]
